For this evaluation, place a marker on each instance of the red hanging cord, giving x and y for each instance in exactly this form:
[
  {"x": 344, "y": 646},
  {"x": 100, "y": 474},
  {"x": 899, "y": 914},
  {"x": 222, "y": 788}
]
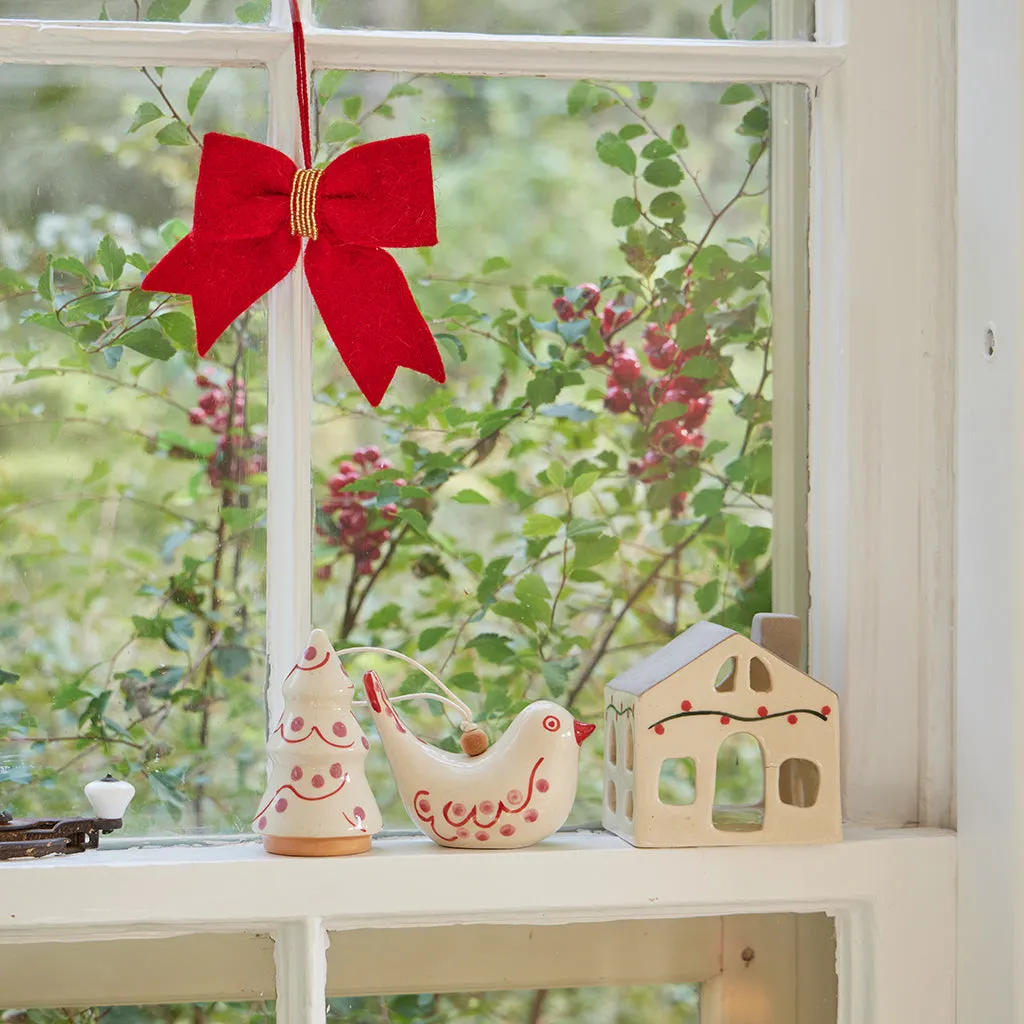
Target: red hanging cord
[{"x": 301, "y": 81}]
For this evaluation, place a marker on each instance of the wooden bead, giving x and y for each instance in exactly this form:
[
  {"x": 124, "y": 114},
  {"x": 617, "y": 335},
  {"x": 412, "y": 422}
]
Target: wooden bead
[{"x": 474, "y": 742}]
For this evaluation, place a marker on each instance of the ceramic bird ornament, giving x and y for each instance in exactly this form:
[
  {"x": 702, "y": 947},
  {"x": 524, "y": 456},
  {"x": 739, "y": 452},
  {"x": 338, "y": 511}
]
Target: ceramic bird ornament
[{"x": 514, "y": 794}]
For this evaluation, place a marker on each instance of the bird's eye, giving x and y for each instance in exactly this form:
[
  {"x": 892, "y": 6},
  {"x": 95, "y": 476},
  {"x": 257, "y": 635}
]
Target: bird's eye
[{"x": 552, "y": 724}]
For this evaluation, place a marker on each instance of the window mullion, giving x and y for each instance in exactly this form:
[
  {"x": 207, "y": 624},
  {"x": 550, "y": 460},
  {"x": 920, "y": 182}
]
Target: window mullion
[
  {"x": 300, "y": 956},
  {"x": 290, "y": 374}
]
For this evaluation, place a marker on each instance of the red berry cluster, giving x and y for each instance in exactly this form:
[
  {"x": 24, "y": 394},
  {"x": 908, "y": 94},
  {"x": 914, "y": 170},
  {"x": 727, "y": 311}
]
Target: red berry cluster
[
  {"x": 361, "y": 530},
  {"x": 630, "y": 389},
  {"x": 236, "y": 456}
]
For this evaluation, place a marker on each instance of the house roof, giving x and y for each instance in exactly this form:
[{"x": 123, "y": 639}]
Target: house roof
[{"x": 687, "y": 647}]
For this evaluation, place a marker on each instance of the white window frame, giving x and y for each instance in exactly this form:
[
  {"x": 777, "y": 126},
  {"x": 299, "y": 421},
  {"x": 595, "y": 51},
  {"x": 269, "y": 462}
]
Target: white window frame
[{"x": 881, "y": 527}]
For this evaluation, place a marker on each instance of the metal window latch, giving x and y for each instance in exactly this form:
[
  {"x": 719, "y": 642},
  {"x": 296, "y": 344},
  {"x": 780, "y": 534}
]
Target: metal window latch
[{"x": 40, "y": 837}]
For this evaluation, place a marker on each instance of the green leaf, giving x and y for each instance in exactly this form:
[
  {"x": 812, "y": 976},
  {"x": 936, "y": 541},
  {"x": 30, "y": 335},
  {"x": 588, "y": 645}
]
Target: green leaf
[
  {"x": 341, "y": 131},
  {"x": 668, "y": 206},
  {"x": 252, "y": 12},
  {"x": 150, "y": 629},
  {"x": 616, "y": 152},
  {"x": 700, "y": 368},
  {"x": 631, "y": 131},
  {"x": 737, "y": 94},
  {"x": 68, "y": 695},
  {"x": 585, "y": 528},
  {"x": 198, "y": 89},
  {"x": 593, "y": 550},
  {"x": 180, "y": 328},
  {"x": 111, "y": 258},
  {"x": 470, "y": 497},
  {"x": 431, "y": 637},
  {"x": 707, "y": 596},
  {"x": 138, "y": 303},
  {"x": 579, "y": 98},
  {"x": 663, "y": 173},
  {"x": 492, "y": 647},
  {"x": 352, "y": 105},
  {"x": 647, "y": 90},
  {"x": 708, "y": 502},
  {"x": 678, "y": 138},
  {"x": 625, "y": 211},
  {"x": 567, "y": 411},
  {"x": 149, "y": 342},
  {"x": 538, "y": 525},
  {"x": 556, "y": 473},
  {"x": 8, "y": 677},
  {"x": 231, "y": 660},
  {"x": 656, "y": 149},
  {"x": 144, "y": 113},
  {"x": 716, "y": 24},
  {"x": 415, "y": 520},
  {"x": 740, "y": 7},
  {"x": 173, "y": 231},
  {"x": 174, "y": 134},
  {"x": 403, "y": 89},
  {"x": 494, "y": 264},
  {"x": 452, "y": 345},
  {"x": 584, "y": 482},
  {"x": 167, "y": 10},
  {"x": 328, "y": 84},
  {"x": 755, "y": 121}
]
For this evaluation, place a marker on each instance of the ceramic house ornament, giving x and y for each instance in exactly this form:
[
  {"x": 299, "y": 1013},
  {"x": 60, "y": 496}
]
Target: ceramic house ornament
[
  {"x": 318, "y": 802},
  {"x": 516, "y": 793},
  {"x": 694, "y": 695}
]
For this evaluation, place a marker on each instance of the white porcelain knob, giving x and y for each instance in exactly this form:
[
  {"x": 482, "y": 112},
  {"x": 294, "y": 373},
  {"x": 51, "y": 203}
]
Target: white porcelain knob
[{"x": 109, "y": 797}]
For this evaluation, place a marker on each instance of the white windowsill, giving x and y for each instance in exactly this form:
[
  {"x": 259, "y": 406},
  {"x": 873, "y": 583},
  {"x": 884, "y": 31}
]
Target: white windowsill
[{"x": 151, "y": 891}]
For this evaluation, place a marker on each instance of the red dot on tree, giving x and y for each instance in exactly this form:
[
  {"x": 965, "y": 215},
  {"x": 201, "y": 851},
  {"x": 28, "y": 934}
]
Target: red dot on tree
[
  {"x": 826, "y": 711},
  {"x": 263, "y": 822},
  {"x": 336, "y": 770},
  {"x": 339, "y": 729},
  {"x": 281, "y": 805},
  {"x": 366, "y": 743},
  {"x": 310, "y": 653},
  {"x": 298, "y": 723},
  {"x": 686, "y": 705},
  {"x": 659, "y": 728},
  {"x": 296, "y": 773},
  {"x": 725, "y": 719},
  {"x": 791, "y": 719},
  {"x": 762, "y": 711},
  {"x": 486, "y": 807},
  {"x": 359, "y": 814},
  {"x": 318, "y": 781},
  {"x": 542, "y": 785},
  {"x": 508, "y": 830}
]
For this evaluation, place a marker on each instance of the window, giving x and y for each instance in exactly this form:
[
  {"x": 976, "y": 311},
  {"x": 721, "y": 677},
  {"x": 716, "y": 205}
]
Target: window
[{"x": 825, "y": 185}]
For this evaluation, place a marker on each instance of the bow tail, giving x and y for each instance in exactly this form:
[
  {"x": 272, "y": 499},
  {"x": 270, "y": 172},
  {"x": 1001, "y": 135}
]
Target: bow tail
[
  {"x": 224, "y": 278},
  {"x": 370, "y": 315}
]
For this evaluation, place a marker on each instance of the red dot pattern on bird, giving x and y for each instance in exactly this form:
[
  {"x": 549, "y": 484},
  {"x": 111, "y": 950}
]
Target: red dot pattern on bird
[{"x": 457, "y": 817}]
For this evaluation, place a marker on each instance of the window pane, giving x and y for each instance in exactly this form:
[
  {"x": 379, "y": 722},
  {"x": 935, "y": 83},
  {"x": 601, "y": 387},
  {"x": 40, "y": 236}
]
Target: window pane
[
  {"x": 596, "y": 475},
  {"x": 131, "y": 503},
  {"x": 192, "y": 1013},
  {"x": 697, "y": 19},
  {"x": 246, "y": 11}
]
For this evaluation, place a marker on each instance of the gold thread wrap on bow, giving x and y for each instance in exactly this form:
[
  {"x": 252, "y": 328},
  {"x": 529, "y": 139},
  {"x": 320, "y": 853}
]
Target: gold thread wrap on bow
[{"x": 302, "y": 205}]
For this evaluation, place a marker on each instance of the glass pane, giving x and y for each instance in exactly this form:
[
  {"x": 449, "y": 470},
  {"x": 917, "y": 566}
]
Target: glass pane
[
  {"x": 192, "y": 1013},
  {"x": 684, "y": 19},
  {"x": 246, "y": 11},
  {"x": 596, "y": 474},
  {"x": 131, "y": 504}
]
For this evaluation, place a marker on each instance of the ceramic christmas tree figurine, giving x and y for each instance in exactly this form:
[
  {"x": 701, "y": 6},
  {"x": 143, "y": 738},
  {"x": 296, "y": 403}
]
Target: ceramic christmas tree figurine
[{"x": 318, "y": 802}]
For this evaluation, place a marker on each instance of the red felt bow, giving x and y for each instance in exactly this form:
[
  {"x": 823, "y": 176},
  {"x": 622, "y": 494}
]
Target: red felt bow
[{"x": 373, "y": 196}]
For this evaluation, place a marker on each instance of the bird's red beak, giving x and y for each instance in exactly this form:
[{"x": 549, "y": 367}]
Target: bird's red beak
[{"x": 582, "y": 731}]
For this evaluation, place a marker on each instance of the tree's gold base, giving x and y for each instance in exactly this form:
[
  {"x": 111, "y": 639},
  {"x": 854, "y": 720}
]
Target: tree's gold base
[{"x": 301, "y": 846}]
